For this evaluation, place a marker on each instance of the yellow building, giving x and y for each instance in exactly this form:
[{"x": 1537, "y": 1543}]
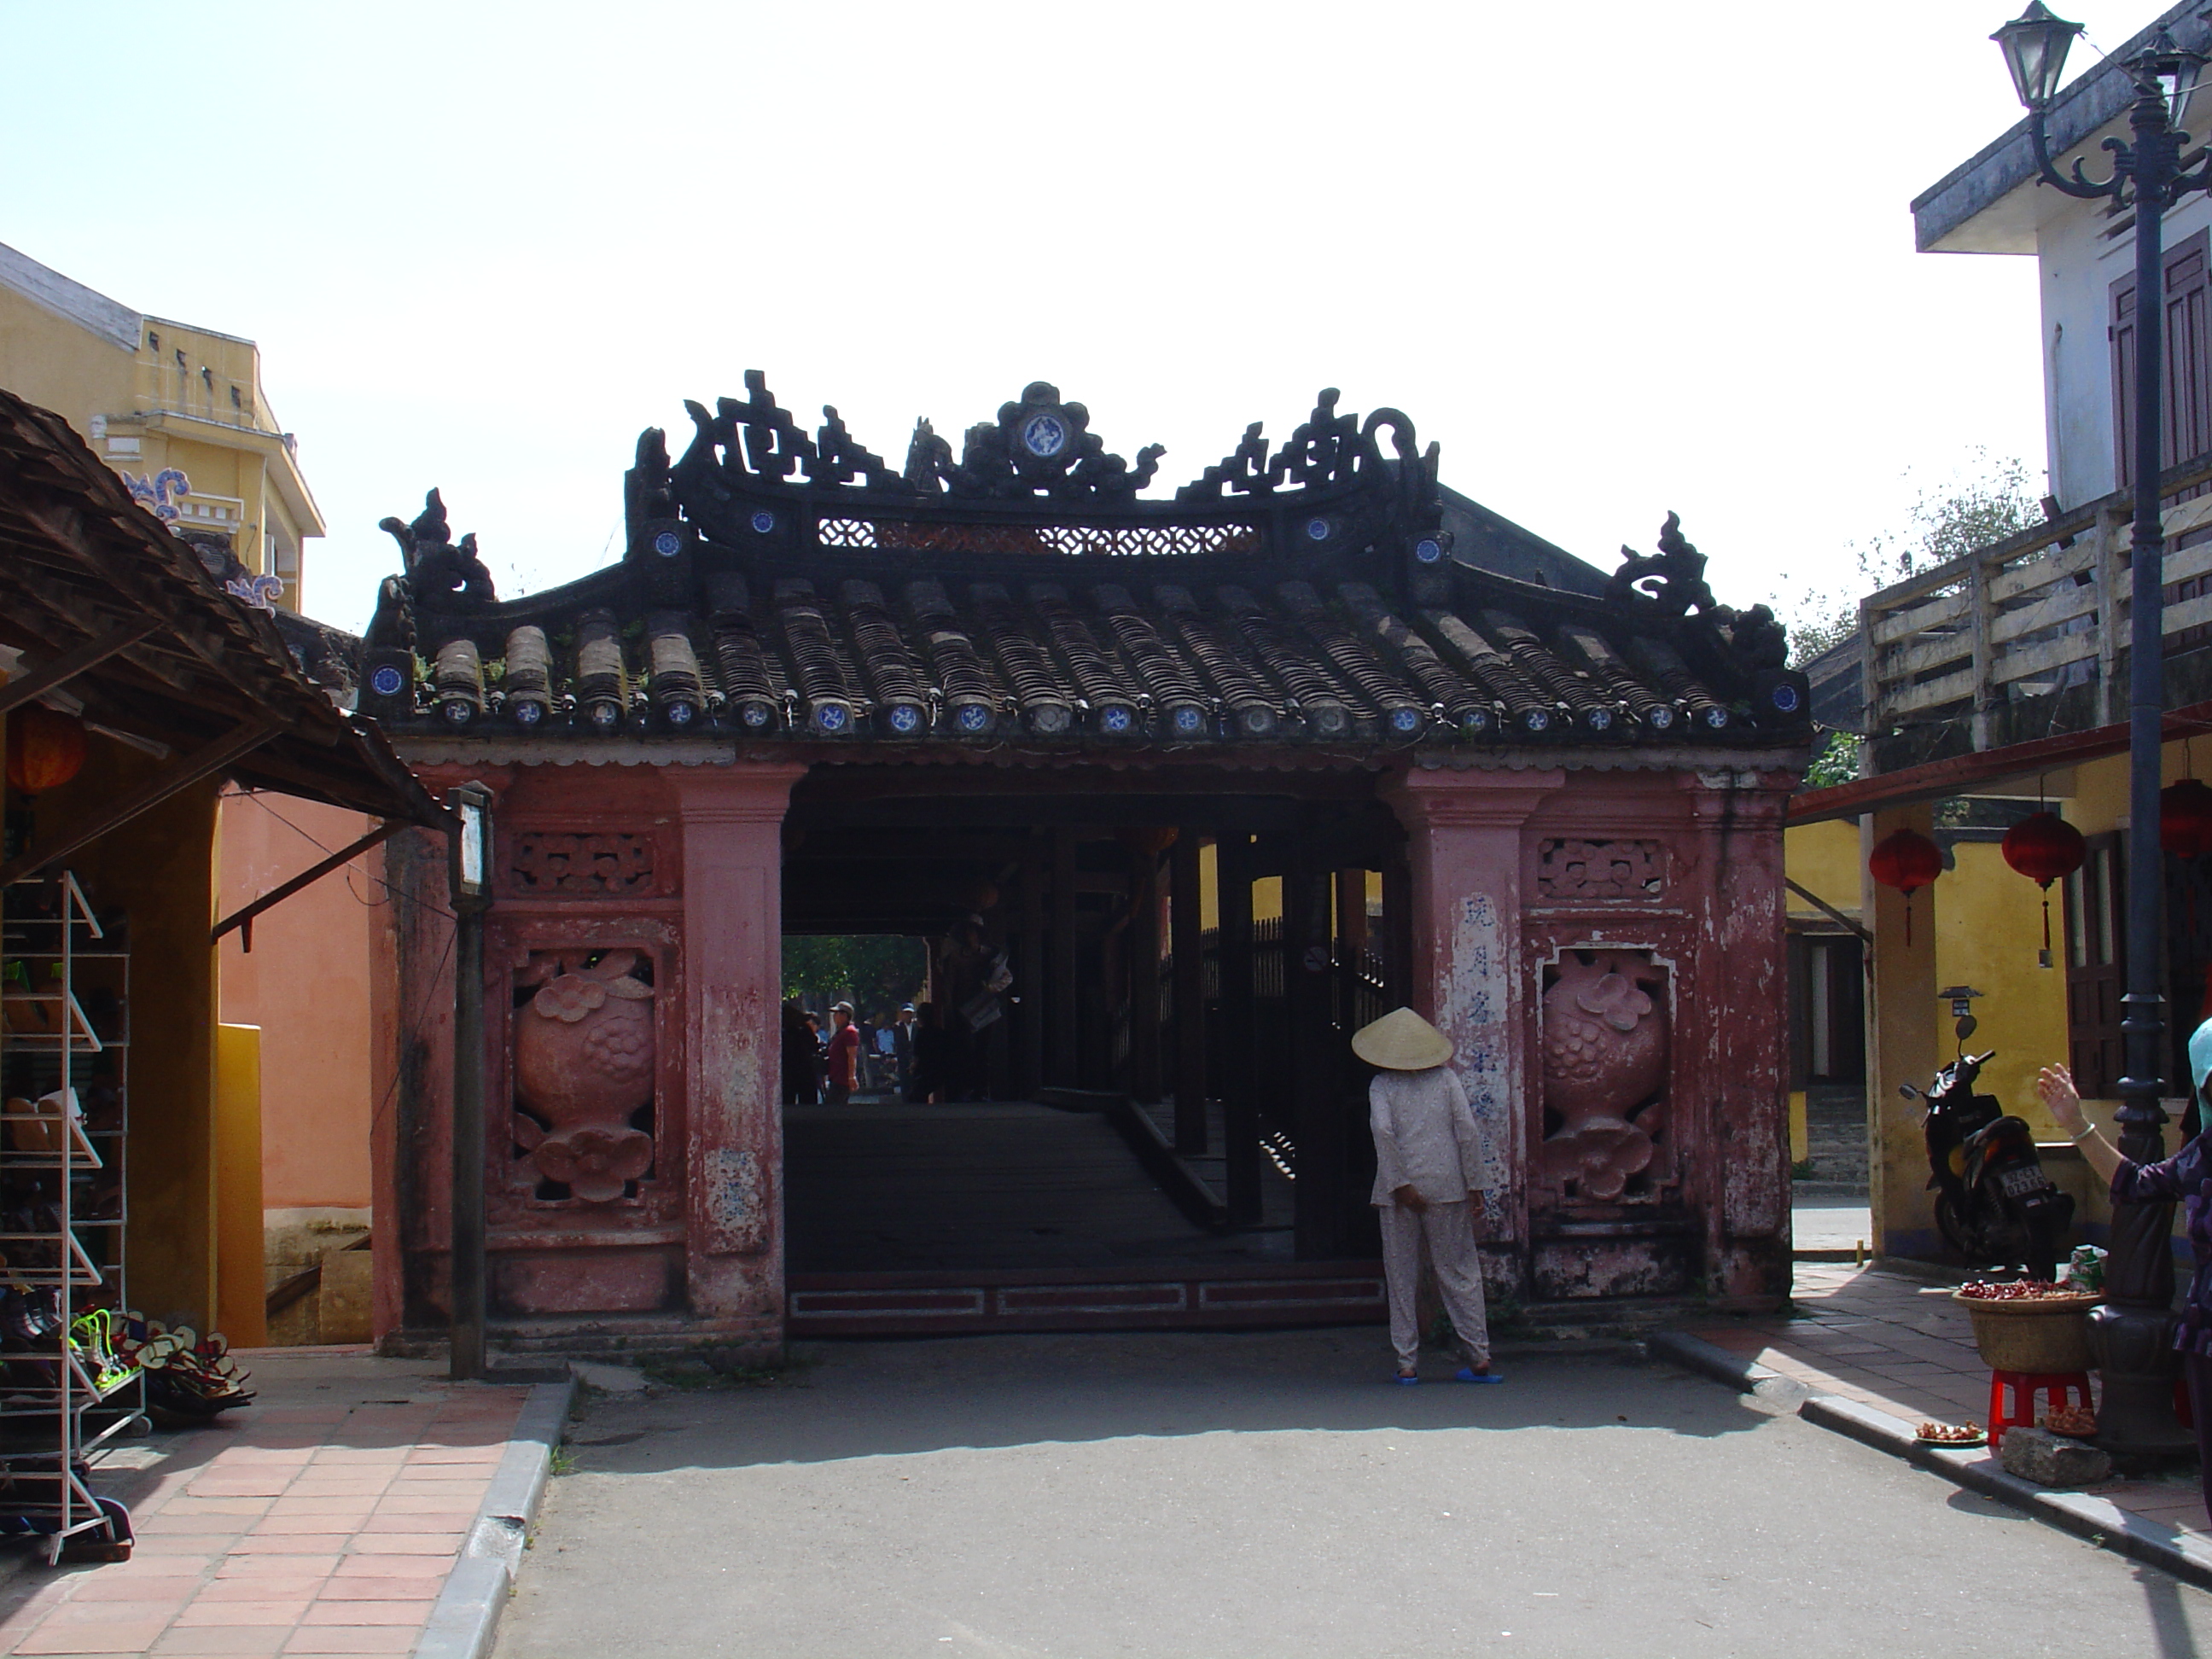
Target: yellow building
[{"x": 178, "y": 411}]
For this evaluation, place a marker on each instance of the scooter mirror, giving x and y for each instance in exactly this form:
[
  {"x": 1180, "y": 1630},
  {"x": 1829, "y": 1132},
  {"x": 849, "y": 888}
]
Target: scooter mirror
[
  {"x": 1908, "y": 1092},
  {"x": 1967, "y": 1026}
]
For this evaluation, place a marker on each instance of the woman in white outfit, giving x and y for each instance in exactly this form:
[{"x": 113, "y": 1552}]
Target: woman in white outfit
[{"x": 1428, "y": 1185}]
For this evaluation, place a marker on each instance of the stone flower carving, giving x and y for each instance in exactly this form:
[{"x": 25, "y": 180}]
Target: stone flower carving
[
  {"x": 583, "y": 1065},
  {"x": 1600, "y": 1156},
  {"x": 596, "y": 1162}
]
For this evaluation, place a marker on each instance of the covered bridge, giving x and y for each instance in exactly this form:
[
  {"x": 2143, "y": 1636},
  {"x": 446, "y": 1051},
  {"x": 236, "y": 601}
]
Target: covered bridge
[{"x": 1011, "y": 703}]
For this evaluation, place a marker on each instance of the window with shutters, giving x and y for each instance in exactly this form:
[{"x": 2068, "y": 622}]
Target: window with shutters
[
  {"x": 2186, "y": 426},
  {"x": 2185, "y": 431},
  {"x": 2094, "y": 909}
]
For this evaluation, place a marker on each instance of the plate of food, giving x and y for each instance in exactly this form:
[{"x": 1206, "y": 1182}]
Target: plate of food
[{"x": 1952, "y": 1434}]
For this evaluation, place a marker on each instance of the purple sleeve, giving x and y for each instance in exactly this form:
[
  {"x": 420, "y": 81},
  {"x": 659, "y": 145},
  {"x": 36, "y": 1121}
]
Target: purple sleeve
[{"x": 2176, "y": 1177}]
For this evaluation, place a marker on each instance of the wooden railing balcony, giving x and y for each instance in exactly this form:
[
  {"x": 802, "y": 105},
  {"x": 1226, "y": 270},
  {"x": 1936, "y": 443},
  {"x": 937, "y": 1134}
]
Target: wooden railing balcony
[{"x": 2031, "y": 616}]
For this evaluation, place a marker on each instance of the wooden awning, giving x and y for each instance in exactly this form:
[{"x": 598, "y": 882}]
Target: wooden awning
[{"x": 112, "y": 611}]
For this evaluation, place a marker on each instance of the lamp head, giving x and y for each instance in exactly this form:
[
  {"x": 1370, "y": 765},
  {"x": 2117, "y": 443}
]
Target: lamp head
[
  {"x": 2034, "y": 45},
  {"x": 2172, "y": 69}
]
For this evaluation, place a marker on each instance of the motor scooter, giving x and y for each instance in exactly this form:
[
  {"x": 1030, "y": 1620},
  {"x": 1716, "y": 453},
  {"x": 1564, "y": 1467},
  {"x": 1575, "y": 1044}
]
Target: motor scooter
[{"x": 1995, "y": 1205}]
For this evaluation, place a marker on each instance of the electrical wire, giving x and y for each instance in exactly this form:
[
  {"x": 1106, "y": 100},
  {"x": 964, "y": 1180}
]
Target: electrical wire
[{"x": 255, "y": 796}]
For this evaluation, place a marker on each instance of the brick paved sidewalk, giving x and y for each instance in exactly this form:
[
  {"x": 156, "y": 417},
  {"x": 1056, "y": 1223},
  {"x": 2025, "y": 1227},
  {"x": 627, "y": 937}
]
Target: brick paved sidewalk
[
  {"x": 324, "y": 1518},
  {"x": 1901, "y": 1345}
]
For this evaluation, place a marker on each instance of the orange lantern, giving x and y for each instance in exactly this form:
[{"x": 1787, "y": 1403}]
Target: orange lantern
[
  {"x": 2044, "y": 848},
  {"x": 1908, "y": 861},
  {"x": 46, "y": 748}
]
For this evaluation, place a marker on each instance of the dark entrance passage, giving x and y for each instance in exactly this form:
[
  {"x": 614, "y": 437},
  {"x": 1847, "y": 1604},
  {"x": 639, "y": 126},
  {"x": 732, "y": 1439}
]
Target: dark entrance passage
[{"x": 1159, "y": 1090}]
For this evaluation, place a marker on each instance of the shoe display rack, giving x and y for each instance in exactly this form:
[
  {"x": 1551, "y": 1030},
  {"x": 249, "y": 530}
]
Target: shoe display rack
[{"x": 66, "y": 1385}]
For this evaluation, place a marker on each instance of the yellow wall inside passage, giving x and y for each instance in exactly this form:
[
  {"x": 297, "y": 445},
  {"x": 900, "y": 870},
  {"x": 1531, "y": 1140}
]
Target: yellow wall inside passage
[
  {"x": 1989, "y": 930},
  {"x": 1824, "y": 859},
  {"x": 238, "y": 1310}
]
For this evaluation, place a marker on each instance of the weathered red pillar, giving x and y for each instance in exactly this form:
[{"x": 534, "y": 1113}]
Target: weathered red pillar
[
  {"x": 1464, "y": 850},
  {"x": 1740, "y": 1049},
  {"x": 732, "y": 820}
]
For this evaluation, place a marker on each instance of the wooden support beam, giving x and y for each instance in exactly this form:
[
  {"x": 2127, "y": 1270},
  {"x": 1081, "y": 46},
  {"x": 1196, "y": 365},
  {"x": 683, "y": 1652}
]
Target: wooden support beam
[
  {"x": 67, "y": 666},
  {"x": 1316, "y": 1128},
  {"x": 1142, "y": 953},
  {"x": 243, "y": 918},
  {"x": 1348, "y": 942},
  {"x": 180, "y": 775},
  {"x": 1029, "y": 980},
  {"x": 1235, "y": 1056},
  {"x": 1350, "y": 914},
  {"x": 1063, "y": 1057},
  {"x": 1186, "y": 921},
  {"x": 1398, "y": 933}
]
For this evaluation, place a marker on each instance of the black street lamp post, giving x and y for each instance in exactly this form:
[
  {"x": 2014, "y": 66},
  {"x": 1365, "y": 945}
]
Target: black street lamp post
[{"x": 2132, "y": 1333}]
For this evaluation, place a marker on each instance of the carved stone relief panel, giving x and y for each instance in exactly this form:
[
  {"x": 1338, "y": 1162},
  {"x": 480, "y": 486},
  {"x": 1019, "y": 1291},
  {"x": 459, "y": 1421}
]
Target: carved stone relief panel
[
  {"x": 1605, "y": 1048},
  {"x": 1571, "y": 871},
  {"x": 614, "y": 865},
  {"x": 583, "y": 1120}
]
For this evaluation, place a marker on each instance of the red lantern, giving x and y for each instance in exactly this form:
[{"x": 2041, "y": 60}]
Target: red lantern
[
  {"x": 2184, "y": 818},
  {"x": 46, "y": 748},
  {"x": 1908, "y": 861},
  {"x": 2044, "y": 848}
]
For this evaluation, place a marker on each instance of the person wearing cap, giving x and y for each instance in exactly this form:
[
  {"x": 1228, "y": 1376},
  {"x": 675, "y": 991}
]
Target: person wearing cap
[
  {"x": 902, "y": 1048},
  {"x": 844, "y": 1055},
  {"x": 1428, "y": 1185},
  {"x": 2186, "y": 1178}
]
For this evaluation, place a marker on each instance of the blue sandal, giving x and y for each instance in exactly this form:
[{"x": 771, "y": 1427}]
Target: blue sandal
[
  {"x": 1468, "y": 1374},
  {"x": 1408, "y": 1379}
]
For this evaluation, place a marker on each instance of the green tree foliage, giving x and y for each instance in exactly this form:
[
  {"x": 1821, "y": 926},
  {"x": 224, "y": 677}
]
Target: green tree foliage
[
  {"x": 1986, "y": 500},
  {"x": 876, "y": 972},
  {"x": 1836, "y": 762}
]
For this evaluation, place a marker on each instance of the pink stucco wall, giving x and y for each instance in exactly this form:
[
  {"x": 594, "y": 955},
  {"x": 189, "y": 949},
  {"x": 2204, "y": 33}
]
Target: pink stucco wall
[{"x": 306, "y": 984}]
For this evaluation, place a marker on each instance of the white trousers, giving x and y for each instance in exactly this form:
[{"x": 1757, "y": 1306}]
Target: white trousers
[{"x": 1449, "y": 1231}]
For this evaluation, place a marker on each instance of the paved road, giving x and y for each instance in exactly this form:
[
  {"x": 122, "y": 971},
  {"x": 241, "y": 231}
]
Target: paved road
[{"x": 1267, "y": 1495}]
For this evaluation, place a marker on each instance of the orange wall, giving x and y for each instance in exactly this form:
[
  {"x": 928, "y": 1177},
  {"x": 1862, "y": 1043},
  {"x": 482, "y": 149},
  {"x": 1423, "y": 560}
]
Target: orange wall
[{"x": 306, "y": 984}]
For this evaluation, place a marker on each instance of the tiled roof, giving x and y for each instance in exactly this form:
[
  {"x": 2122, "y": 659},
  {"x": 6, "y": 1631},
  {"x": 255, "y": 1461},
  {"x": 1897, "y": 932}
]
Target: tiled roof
[
  {"x": 175, "y": 661},
  {"x": 786, "y": 590}
]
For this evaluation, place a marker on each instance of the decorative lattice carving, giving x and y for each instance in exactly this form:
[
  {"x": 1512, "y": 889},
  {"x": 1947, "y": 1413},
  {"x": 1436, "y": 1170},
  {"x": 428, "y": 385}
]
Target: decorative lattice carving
[
  {"x": 1583, "y": 870},
  {"x": 1081, "y": 540},
  {"x": 546, "y": 861}
]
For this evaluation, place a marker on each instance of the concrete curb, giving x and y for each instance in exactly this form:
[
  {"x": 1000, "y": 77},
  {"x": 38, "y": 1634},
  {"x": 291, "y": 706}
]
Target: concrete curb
[
  {"x": 2099, "y": 1521},
  {"x": 466, "y": 1616},
  {"x": 1733, "y": 1370}
]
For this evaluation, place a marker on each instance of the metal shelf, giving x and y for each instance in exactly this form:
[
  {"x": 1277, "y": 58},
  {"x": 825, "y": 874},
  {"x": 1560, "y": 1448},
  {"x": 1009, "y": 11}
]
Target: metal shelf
[{"x": 48, "y": 1415}]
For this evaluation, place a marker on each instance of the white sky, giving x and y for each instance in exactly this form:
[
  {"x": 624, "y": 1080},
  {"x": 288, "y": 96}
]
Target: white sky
[{"x": 1618, "y": 258}]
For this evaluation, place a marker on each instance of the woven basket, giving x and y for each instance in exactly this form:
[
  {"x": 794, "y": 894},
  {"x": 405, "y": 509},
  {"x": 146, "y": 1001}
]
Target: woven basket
[{"x": 2047, "y": 1336}]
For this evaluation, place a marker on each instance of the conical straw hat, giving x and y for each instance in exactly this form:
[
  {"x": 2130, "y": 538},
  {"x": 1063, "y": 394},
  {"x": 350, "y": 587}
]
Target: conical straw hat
[{"x": 1401, "y": 1040}]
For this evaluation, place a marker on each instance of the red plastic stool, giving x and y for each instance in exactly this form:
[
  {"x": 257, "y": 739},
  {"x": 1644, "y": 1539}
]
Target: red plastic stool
[{"x": 2058, "y": 1389}]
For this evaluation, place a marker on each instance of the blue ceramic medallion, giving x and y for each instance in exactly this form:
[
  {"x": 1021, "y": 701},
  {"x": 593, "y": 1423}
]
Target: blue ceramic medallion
[{"x": 1044, "y": 436}]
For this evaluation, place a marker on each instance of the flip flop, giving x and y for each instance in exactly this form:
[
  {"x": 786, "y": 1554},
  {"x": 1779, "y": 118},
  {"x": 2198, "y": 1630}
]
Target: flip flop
[
  {"x": 1468, "y": 1374},
  {"x": 1405, "y": 1381}
]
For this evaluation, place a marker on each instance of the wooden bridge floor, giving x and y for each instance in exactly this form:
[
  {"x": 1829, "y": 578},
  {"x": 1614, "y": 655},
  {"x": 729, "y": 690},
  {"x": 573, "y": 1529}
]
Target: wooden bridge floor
[{"x": 879, "y": 1187}]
